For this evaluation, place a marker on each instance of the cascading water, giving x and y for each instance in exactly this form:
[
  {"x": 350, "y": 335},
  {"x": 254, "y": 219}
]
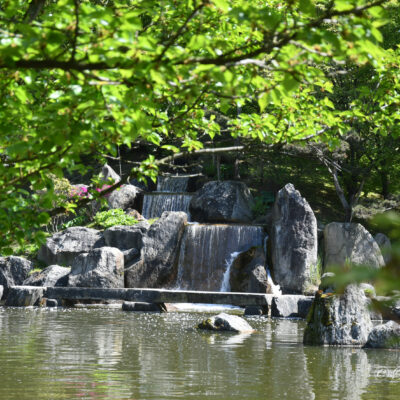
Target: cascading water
[
  {"x": 275, "y": 289},
  {"x": 226, "y": 286},
  {"x": 170, "y": 196},
  {"x": 170, "y": 183},
  {"x": 154, "y": 204},
  {"x": 207, "y": 251}
]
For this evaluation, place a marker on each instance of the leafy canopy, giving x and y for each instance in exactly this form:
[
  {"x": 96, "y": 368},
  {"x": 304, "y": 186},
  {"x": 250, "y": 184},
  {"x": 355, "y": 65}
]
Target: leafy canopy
[{"x": 80, "y": 77}]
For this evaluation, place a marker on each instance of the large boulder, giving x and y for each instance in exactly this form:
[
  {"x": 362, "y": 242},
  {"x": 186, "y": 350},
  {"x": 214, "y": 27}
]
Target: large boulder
[
  {"x": 103, "y": 267},
  {"x": 294, "y": 241},
  {"x": 124, "y": 197},
  {"x": 63, "y": 247},
  {"x": 226, "y": 201},
  {"x": 350, "y": 242},
  {"x": 126, "y": 237},
  {"x": 385, "y": 245},
  {"x": 54, "y": 275},
  {"x": 385, "y": 336},
  {"x": 158, "y": 260},
  {"x": 13, "y": 271},
  {"x": 342, "y": 320},
  {"x": 248, "y": 272},
  {"x": 226, "y": 322}
]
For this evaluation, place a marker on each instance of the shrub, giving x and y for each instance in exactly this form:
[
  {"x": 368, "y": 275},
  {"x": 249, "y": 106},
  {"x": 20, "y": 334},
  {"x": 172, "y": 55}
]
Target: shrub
[{"x": 106, "y": 219}]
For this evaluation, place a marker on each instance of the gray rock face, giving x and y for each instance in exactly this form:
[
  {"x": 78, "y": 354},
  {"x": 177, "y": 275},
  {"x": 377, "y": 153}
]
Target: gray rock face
[
  {"x": 256, "y": 310},
  {"x": 63, "y": 247},
  {"x": 384, "y": 244},
  {"x": 24, "y": 296},
  {"x": 226, "y": 322},
  {"x": 124, "y": 197},
  {"x": 226, "y": 201},
  {"x": 248, "y": 272},
  {"x": 294, "y": 241},
  {"x": 126, "y": 237},
  {"x": 54, "y": 275},
  {"x": 13, "y": 271},
  {"x": 290, "y": 306},
  {"x": 352, "y": 242},
  {"x": 341, "y": 320},
  {"x": 107, "y": 175},
  {"x": 1, "y": 291},
  {"x": 103, "y": 267},
  {"x": 158, "y": 261},
  {"x": 385, "y": 336}
]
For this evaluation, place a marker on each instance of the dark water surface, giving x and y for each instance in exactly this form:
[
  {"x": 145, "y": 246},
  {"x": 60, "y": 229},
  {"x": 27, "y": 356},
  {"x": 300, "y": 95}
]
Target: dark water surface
[{"x": 110, "y": 354}]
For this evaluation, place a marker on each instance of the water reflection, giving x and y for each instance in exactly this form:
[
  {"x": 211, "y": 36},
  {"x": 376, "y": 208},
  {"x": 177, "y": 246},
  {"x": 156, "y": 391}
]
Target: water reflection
[{"x": 109, "y": 354}]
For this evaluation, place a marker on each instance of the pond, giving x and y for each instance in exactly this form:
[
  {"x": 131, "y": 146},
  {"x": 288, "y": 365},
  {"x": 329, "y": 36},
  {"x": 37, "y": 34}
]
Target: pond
[{"x": 111, "y": 354}]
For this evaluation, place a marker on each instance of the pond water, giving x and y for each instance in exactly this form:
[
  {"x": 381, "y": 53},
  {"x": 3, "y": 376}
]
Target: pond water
[{"x": 110, "y": 354}]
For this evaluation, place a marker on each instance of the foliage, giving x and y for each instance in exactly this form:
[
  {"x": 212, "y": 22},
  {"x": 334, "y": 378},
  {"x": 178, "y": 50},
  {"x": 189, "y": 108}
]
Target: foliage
[
  {"x": 106, "y": 219},
  {"x": 262, "y": 202},
  {"x": 79, "y": 78}
]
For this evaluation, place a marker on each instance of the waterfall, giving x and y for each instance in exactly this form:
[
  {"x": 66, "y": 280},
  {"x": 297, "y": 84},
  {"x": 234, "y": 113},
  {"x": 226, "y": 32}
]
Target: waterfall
[
  {"x": 175, "y": 184},
  {"x": 154, "y": 204},
  {"x": 207, "y": 251},
  {"x": 275, "y": 289},
  {"x": 226, "y": 286}
]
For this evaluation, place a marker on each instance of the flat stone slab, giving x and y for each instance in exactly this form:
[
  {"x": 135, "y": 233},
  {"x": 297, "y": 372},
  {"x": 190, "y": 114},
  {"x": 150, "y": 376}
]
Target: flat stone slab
[{"x": 157, "y": 296}]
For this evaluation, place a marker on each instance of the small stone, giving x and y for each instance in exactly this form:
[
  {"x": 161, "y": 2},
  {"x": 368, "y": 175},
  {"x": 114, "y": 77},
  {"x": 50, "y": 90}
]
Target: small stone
[
  {"x": 143, "y": 307},
  {"x": 256, "y": 310},
  {"x": 226, "y": 322},
  {"x": 51, "y": 303}
]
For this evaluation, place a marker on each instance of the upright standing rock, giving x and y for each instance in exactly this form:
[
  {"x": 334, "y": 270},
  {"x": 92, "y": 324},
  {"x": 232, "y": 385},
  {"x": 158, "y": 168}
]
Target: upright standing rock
[
  {"x": 384, "y": 244},
  {"x": 108, "y": 175},
  {"x": 350, "y": 242},
  {"x": 13, "y": 271},
  {"x": 342, "y": 320},
  {"x": 124, "y": 197},
  {"x": 294, "y": 240},
  {"x": 159, "y": 255},
  {"x": 225, "y": 201}
]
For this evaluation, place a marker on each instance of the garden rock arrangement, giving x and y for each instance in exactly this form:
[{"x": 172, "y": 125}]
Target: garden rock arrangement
[
  {"x": 226, "y": 322},
  {"x": 385, "y": 336},
  {"x": 294, "y": 241},
  {"x": 54, "y": 275}
]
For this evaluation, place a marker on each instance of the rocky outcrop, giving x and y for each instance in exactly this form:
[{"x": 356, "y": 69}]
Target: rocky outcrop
[
  {"x": 126, "y": 237},
  {"x": 222, "y": 201},
  {"x": 350, "y": 242},
  {"x": 294, "y": 241},
  {"x": 63, "y": 247},
  {"x": 158, "y": 260},
  {"x": 24, "y": 296},
  {"x": 13, "y": 271},
  {"x": 226, "y": 322},
  {"x": 103, "y": 267},
  {"x": 342, "y": 320},
  {"x": 384, "y": 244},
  {"x": 123, "y": 198},
  {"x": 54, "y": 275},
  {"x": 248, "y": 272},
  {"x": 291, "y": 306},
  {"x": 385, "y": 336}
]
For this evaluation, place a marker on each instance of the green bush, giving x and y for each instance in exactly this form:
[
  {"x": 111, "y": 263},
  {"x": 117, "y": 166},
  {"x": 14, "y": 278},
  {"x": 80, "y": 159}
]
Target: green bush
[
  {"x": 106, "y": 219},
  {"x": 262, "y": 203}
]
